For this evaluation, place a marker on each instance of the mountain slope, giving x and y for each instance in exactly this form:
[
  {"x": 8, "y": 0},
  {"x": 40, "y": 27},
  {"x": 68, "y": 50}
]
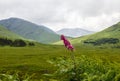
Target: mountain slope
[
  {"x": 30, "y": 30},
  {"x": 76, "y": 32},
  {"x": 111, "y": 32},
  {"x": 5, "y": 33}
]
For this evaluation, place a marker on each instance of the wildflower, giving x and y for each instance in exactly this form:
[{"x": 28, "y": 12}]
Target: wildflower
[{"x": 67, "y": 44}]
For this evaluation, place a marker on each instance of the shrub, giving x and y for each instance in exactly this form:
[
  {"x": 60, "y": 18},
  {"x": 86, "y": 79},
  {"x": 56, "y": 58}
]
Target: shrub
[
  {"x": 15, "y": 76},
  {"x": 19, "y": 43},
  {"x": 16, "y": 43},
  {"x": 106, "y": 40},
  {"x": 102, "y": 41},
  {"x": 31, "y": 44},
  {"x": 87, "y": 69},
  {"x": 5, "y": 41}
]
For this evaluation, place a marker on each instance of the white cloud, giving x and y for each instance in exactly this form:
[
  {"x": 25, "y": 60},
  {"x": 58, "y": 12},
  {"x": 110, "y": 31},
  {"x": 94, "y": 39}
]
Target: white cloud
[{"x": 56, "y": 14}]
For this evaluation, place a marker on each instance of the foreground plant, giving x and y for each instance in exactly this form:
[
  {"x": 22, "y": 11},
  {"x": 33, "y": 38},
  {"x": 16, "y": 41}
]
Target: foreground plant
[
  {"x": 70, "y": 47},
  {"x": 87, "y": 69},
  {"x": 83, "y": 68},
  {"x": 15, "y": 77}
]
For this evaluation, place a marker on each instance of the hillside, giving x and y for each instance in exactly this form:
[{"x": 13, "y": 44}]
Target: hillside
[
  {"x": 76, "y": 32},
  {"x": 111, "y": 33},
  {"x": 9, "y": 38},
  {"x": 5, "y": 33},
  {"x": 30, "y": 30}
]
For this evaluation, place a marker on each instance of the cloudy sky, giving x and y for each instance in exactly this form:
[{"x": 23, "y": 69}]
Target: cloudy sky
[{"x": 56, "y": 14}]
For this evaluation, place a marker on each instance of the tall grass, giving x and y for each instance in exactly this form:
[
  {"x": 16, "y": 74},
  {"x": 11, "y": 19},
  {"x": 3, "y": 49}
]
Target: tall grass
[
  {"x": 87, "y": 69},
  {"x": 32, "y": 60},
  {"x": 15, "y": 76}
]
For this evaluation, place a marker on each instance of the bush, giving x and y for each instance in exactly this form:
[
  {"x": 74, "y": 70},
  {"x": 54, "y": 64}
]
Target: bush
[
  {"x": 87, "y": 69},
  {"x": 19, "y": 43},
  {"x": 31, "y": 44},
  {"x": 16, "y": 43},
  {"x": 5, "y": 41},
  {"x": 102, "y": 41},
  {"x": 15, "y": 76},
  {"x": 106, "y": 40}
]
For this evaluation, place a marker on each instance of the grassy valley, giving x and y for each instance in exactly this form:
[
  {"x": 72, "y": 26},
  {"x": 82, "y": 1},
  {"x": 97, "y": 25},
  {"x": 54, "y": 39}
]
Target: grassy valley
[
  {"x": 45, "y": 62},
  {"x": 34, "y": 60}
]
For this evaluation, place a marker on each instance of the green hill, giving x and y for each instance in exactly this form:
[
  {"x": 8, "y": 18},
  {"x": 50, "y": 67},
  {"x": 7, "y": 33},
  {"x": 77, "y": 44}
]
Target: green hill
[
  {"x": 5, "y": 33},
  {"x": 9, "y": 38},
  {"x": 110, "y": 34},
  {"x": 30, "y": 30}
]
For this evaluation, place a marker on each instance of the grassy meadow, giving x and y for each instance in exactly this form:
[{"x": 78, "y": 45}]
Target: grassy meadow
[{"x": 34, "y": 59}]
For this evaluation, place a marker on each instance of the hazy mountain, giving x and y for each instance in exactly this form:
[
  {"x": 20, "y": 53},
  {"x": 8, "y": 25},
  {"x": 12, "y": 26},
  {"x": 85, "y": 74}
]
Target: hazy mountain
[
  {"x": 30, "y": 30},
  {"x": 76, "y": 32},
  {"x": 110, "y": 34}
]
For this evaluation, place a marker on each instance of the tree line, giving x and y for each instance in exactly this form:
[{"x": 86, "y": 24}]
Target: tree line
[
  {"x": 103, "y": 41},
  {"x": 15, "y": 43}
]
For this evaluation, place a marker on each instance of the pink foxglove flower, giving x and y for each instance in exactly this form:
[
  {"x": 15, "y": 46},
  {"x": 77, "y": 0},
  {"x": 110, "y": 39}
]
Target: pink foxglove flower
[{"x": 67, "y": 44}]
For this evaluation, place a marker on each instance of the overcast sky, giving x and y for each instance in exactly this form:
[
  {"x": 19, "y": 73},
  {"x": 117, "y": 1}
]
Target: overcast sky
[{"x": 56, "y": 14}]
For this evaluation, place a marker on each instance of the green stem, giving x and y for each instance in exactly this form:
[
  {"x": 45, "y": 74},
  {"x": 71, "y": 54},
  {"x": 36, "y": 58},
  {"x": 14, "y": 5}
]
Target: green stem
[{"x": 74, "y": 63}]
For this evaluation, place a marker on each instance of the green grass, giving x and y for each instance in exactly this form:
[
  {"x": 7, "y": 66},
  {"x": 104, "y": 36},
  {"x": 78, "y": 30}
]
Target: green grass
[
  {"x": 28, "y": 59},
  {"x": 34, "y": 59}
]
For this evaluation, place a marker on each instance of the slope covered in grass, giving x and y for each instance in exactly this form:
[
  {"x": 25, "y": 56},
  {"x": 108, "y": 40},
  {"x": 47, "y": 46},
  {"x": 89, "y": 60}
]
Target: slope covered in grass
[
  {"x": 111, "y": 32},
  {"x": 30, "y": 30},
  {"x": 5, "y": 33},
  {"x": 9, "y": 38}
]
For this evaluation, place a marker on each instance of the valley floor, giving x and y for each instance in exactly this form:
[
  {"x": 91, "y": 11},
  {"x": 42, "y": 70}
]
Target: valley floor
[{"x": 33, "y": 60}]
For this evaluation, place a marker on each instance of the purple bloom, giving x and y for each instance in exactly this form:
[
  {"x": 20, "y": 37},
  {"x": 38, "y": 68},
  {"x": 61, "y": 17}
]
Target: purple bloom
[{"x": 67, "y": 44}]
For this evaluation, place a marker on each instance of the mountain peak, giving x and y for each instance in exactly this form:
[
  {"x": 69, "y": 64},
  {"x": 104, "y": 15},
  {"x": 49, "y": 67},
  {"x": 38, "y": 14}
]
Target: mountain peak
[
  {"x": 74, "y": 32},
  {"x": 12, "y": 19},
  {"x": 15, "y": 18}
]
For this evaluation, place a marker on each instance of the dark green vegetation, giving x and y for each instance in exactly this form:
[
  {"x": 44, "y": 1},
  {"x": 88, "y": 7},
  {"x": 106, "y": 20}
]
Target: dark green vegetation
[
  {"x": 102, "y": 41},
  {"x": 16, "y": 43},
  {"x": 30, "y": 30},
  {"x": 33, "y": 60}
]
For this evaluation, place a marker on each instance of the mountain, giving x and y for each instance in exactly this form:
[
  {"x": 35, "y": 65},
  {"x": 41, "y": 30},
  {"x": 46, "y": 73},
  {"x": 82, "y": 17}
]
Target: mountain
[
  {"x": 109, "y": 35},
  {"x": 76, "y": 32},
  {"x": 30, "y": 30},
  {"x": 5, "y": 33},
  {"x": 9, "y": 38}
]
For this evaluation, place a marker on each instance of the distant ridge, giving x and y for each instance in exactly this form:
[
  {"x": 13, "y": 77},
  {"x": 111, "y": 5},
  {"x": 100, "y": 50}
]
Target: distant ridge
[
  {"x": 76, "y": 32},
  {"x": 30, "y": 30}
]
